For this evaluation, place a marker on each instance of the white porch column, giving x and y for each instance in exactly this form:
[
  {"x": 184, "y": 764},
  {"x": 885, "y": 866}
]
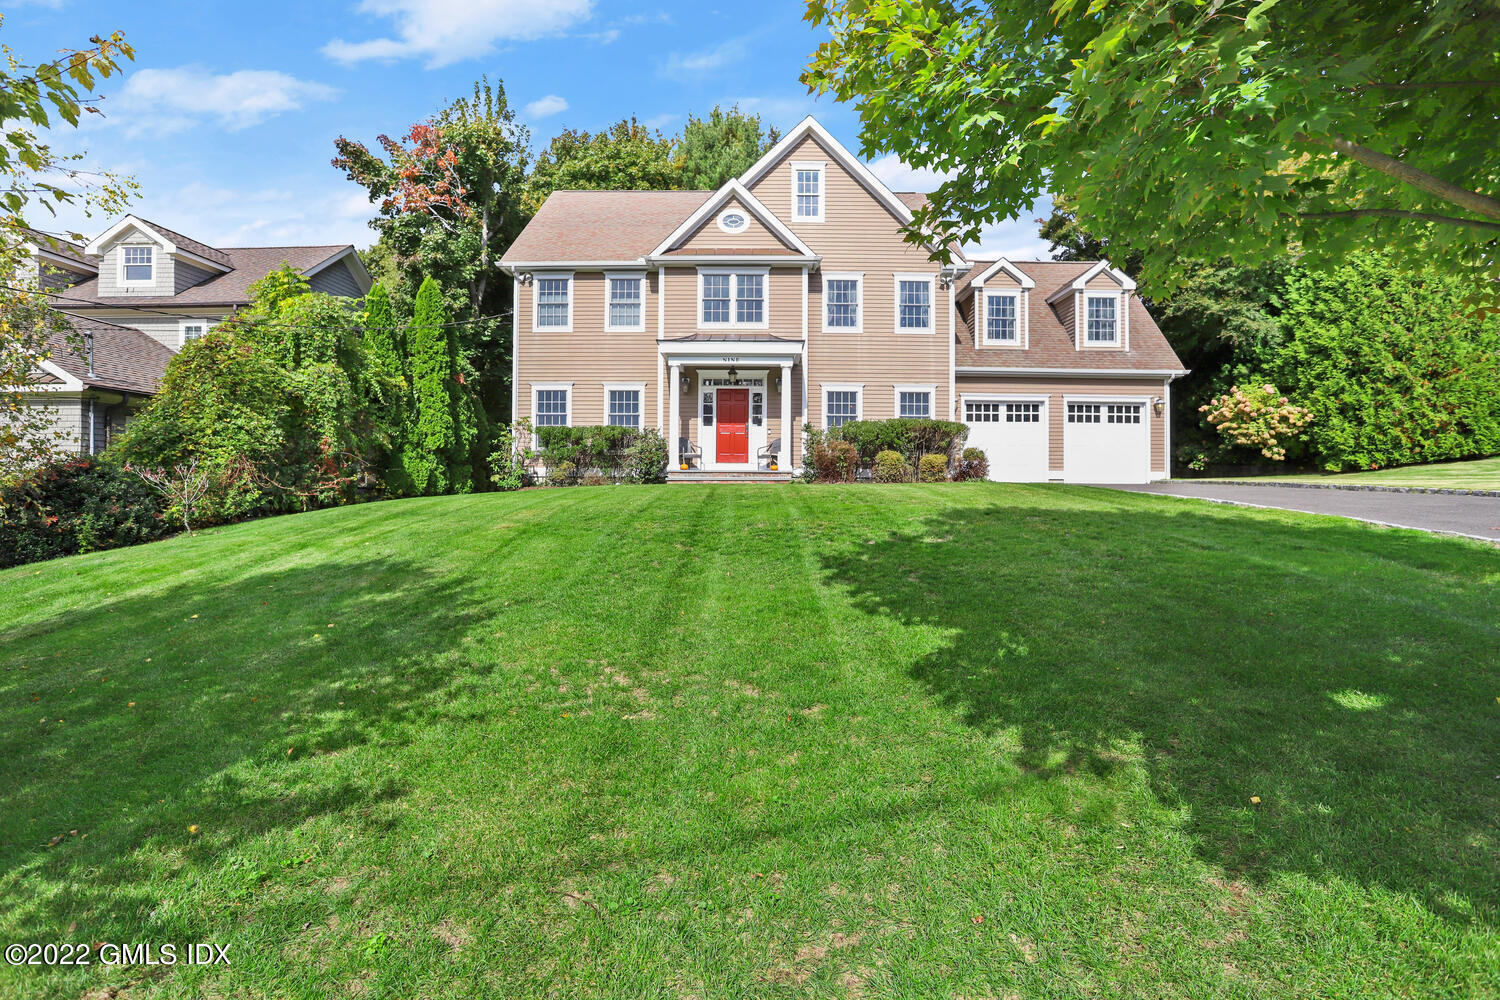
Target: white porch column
[
  {"x": 784, "y": 456},
  {"x": 674, "y": 425}
]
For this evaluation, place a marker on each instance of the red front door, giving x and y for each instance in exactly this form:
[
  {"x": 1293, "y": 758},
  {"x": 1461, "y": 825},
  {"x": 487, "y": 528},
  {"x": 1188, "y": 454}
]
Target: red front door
[{"x": 733, "y": 441}]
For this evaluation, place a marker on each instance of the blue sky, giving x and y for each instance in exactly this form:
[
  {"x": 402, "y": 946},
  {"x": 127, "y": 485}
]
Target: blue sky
[{"x": 228, "y": 114}]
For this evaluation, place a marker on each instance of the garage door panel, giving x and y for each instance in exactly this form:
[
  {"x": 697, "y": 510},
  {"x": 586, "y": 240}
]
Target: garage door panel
[
  {"x": 1106, "y": 442},
  {"x": 1013, "y": 436}
]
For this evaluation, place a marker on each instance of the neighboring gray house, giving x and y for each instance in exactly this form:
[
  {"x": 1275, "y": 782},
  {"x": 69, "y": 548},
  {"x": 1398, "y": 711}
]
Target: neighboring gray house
[{"x": 134, "y": 295}]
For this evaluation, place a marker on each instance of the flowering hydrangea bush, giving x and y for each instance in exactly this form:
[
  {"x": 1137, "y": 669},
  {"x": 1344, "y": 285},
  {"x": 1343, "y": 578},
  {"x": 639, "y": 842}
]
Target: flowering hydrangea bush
[{"x": 1257, "y": 417}]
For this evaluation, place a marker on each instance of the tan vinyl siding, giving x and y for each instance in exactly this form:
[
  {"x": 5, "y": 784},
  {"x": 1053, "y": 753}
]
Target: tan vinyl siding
[
  {"x": 1064, "y": 309},
  {"x": 859, "y": 234},
  {"x": 1056, "y": 389},
  {"x": 588, "y": 357},
  {"x": 755, "y": 236}
]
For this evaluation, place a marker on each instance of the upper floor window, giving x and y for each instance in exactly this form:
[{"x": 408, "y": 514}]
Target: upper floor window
[
  {"x": 733, "y": 298},
  {"x": 914, "y": 303},
  {"x": 138, "y": 263},
  {"x": 1001, "y": 325},
  {"x": 554, "y": 303},
  {"x": 625, "y": 308},
  {"x": 842, "y": 305},
  {"x": 1103, "y": 324},
  {"x": 807, "y": 192}
]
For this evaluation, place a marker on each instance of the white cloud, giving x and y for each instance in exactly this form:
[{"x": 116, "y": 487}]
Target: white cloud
[
  {"x": 543, "y": 107},
  {"x": 899, "y": 176},
  {"x": 704, "y": 61},
  {"x": 443, "y": 32},
  {"x": 782, "y": 112},
  {"x": 659, "y": 122},
  {"x": 162, "y": 101}
]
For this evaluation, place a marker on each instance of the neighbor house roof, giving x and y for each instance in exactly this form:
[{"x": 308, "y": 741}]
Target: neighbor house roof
[
  {"x": 125, "y": 359},
  {"x": 602, "y": 225},
  {"x": 58, "y": 247},
  {"x": 191, "y": 245},
  {"x": 249, "y": 264},
  {"x": 1049, "y": 344}
]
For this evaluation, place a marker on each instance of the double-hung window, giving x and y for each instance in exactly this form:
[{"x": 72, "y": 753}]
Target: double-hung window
[
  {"x": 1102, "y": 321},
  {"x": 191, "y": 329},
  {"x": 554, "y": 302},
  {"x": 807, "y": 192},
  {"x": 552, "y": 409},
  {"x": 138, "y": 265},
  {"x": 1001, "y": 320},
  {"x": 732, "y": 298},
  {"x": 625, "y": 309},
  {"x": 842, "y": 303},
  {"x": 913, "y": 303},
  {"x": 913, "y": 401},
  {"x": 840, "y": 405},
  {"x": 622, "y": 405}
]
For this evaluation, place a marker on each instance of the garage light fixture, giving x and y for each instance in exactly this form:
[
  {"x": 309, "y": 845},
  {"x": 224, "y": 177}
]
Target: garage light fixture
[{"x": 1158, "y": 406}]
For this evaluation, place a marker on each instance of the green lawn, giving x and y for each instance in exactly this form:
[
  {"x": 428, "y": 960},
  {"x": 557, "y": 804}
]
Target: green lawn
[
  {"x": 713, "y": 742},
  {"x": 1479, "y": 474}
]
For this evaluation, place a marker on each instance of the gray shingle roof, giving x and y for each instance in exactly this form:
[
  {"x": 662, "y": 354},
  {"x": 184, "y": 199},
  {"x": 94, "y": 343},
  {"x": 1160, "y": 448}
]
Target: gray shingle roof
[
  {"x": 191, "y": 245},
  {"x": 124, "y": 358},
  {"x": 231, "y": 289}
]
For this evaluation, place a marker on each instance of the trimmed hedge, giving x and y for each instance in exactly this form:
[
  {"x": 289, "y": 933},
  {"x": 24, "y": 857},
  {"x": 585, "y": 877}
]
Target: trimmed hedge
[
  {"x": 933, "y": 469},
  {"x": 891, "y": 467},
  {"x": 912, "y": 437},
  {"x": 76, "y": 505},
  {"x": 615, "y": 454}
]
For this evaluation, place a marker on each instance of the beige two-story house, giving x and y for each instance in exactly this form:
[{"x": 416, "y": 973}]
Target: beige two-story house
[{"x": 732, "y": 319}]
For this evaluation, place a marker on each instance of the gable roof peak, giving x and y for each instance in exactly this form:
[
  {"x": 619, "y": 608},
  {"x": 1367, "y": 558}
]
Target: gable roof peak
[
  {"x": 172, "y": 242},
  {"x": 1004, "y": 264},
  {"x": 735, "y": 189}
]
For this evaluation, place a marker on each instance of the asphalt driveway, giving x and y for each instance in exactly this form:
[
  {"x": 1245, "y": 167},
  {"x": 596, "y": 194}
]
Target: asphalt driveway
[{"x": 1457, "y": 514}]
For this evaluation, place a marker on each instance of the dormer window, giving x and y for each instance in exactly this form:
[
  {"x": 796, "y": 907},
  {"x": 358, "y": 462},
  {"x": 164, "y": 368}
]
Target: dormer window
[
  {"x": 1102, "y": 320},
  {"x": 1001, "y": 322},
  {"x": 138, "y": 265},
  {"x": 807, "y": 192}
]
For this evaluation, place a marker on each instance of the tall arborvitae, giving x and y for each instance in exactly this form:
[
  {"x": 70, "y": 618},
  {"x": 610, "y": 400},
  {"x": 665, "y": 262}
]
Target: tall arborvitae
[
  {"x": 384, "y": 350},
  {"x": 434, "y": 437}
]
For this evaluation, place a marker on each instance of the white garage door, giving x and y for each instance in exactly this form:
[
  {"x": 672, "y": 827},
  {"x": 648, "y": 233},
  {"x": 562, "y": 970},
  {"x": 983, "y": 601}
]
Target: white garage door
[
  {"x": 1106, "y": 443},
  {"x": 1013, "y": 436}
]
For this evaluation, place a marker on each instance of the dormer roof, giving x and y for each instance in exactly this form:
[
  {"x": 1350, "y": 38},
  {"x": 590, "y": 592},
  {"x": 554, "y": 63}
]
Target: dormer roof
[
  {"x": 1103, "y": 267},
  {"x": 172, "y": 242}
]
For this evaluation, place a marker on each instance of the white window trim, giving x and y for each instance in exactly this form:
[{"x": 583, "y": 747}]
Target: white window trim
[
  {"x": 616, "y": 276},
  {"x": 858, "y": 388},
  {"x": 734, "y": 298},
  {"x": 822, "y": 168},
  {"x": 982, "y": 318},
  {"x": 742, "y": 213},
  {"x": 155, "y": 260},
  {"x": 858, "y": 277},
  {"x": 639, "y": 387},
  {"x": 182, "y": 326},
  {"x": 931, "y": 280},
  {"x": 1083, "y": 321},
  {"x": 898, "y": 389},
  {"x": 536, "y": 295},
  {"x": 537, "y": 387}
]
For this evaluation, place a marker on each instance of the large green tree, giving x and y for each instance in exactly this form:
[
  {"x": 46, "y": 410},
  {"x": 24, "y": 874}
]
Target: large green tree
[
  {"x": 1190, "y": 129},
  {"x": 725, "y": 144},
  {"x": 450, "y": 198},
  {"x": 626, "y": 156}
]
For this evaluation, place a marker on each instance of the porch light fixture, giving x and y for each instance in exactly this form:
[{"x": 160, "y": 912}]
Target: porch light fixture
[
  {"x": 687, "y": 384},
  {"x": 1158, "y": 406},
  {"x": 526, "y": 278},
  {"x": 734, "y": 374}
]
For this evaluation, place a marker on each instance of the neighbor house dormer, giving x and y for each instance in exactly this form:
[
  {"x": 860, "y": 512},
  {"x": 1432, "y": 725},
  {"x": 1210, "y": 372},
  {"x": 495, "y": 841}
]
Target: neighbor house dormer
[{"x": 140, "y": 258}]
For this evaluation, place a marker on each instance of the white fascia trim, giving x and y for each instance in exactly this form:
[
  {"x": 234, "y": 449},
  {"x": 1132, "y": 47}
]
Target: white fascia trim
[
  {"x": 618, "y": 276},
  {"x": 1004, "y": 265},
  {"x": 732, "y": 189},
  {"x": 536, "y": 304},
  {"x": 858, "y": 277},
  {"x": 102, "y": 242},
  {"x": 723, "y": 259},
  {"x": 537, "y": 387},
  {"x": 1117, "y": 373},
  {"x": 70, "y": 382},
  {"x": 61, "y": 263},
  {"x": 361, "y": 274},
  {"x": 517, "y": 266},
  {"x": 931, "y": 279},
  {"x": 821, "y": 166},
  {"x": 1102, "y": 267},
  {"x": 811, "y": 126}
]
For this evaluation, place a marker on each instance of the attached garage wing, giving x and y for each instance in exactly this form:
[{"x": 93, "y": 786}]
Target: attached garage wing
[
  {"x": 1012, "y": 432},
  {"x": 1106, "y": 441}
]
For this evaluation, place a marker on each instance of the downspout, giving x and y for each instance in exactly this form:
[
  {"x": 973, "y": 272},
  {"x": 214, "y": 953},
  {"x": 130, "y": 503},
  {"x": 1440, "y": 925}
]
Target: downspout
[{"x": 92, "y": 449}]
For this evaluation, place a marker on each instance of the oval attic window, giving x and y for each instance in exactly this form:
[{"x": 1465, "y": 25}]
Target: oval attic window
[{"x": 733, "y": 222}]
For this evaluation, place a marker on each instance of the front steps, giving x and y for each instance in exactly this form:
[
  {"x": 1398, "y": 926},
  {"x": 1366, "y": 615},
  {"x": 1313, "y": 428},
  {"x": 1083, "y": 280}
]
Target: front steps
[{"x": 747, "y": 476}]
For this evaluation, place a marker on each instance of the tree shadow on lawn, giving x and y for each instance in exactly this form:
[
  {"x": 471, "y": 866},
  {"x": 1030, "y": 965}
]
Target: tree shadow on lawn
[
  {"x": 234, "y": 718},
  {"x": 1344, "y": 675}
]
